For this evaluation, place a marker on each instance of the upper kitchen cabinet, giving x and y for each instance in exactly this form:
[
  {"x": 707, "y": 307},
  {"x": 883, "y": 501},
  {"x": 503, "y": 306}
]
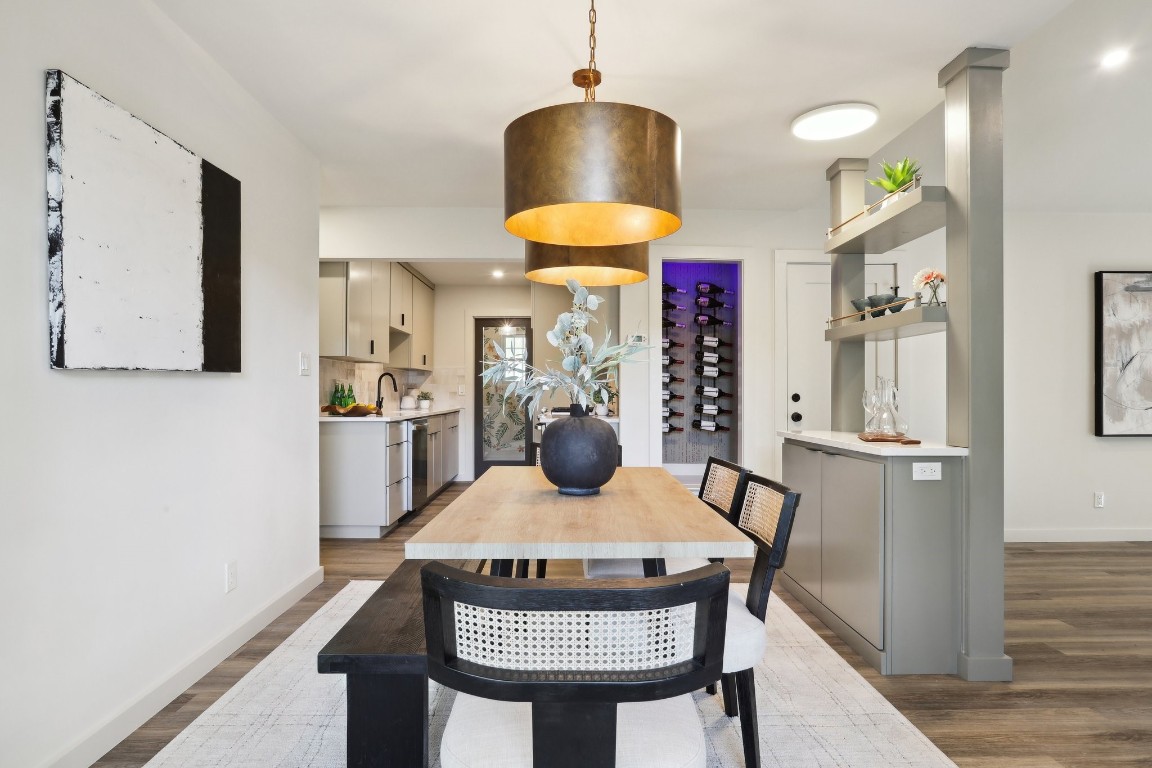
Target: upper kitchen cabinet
[
  {"x": 422, "y": 313},
  {"x": 401, "y": 310},
  {"x": 354, "y": 310},
  {"x": 412, "y": 348}
]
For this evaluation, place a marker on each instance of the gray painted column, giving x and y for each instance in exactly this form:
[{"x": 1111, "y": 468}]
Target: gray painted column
[
  {"x": 846, "y": 187},
  {"x": 974, "y": 152}
]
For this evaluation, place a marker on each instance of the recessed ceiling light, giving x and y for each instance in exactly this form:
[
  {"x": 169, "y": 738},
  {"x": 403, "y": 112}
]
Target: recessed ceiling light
[
  {"x": 497, "y": 273},
  {"x": 834, "y": 121},
  {"x": 1114, "y": 58}
]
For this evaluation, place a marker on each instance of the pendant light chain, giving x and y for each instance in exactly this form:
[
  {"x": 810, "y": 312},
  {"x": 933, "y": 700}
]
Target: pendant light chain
[{"x": 590, "y": 89}]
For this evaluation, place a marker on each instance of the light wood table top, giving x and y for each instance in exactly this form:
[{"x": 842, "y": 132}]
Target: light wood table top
[{"x": 514, "y": 512}]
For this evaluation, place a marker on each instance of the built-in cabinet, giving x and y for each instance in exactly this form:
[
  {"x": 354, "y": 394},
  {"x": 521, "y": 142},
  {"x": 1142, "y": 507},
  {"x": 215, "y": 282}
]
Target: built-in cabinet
[
  {"x": 451, "y": 447},
  {"x": 376, "y": 311},
  {"x": 873, "y": 549},
  {"x": 364, "y": 477}
]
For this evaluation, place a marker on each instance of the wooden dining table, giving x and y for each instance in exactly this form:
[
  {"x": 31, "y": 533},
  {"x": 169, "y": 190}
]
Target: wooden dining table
[
  {"x": 513, "y": 512},
  {"x": 508, "y": 513}
]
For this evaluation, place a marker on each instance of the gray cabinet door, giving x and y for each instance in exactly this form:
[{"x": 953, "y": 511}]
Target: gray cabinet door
[
  {"x": 852, "y": 532},
  {"x": 802, "y": 473}
]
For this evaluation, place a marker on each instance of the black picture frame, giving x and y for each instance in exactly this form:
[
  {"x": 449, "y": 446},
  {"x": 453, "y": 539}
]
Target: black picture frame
[{"x": 1123, "y": 347}]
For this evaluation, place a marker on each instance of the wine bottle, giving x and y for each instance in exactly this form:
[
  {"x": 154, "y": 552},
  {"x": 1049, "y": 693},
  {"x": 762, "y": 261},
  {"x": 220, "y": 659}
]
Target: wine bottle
[
  {"x": 711, "y": 341},
  {"x": 712, "y": 358},
  {"x": 711, "y": 371},
  {"x": 668, "y": 378},
  {"x": 711, "y": 302},
  {"x": 670, "y": 323},
  {"x": 669, "y": 343},
  {"x": 669, "y": 288},
  {"x": 710, "y": 320},
  {"x": 665, "y": 395},
  {"x": 710, "y": 409},
  {"x": 710, "y": 289},
  {"x": 669, "y": 360},
  {"x": 666, "y": 427},
  {"x": 708, "y": 426},
  {"x": 667, "y": 412},
  {"x": 711, "y": 392},
  {"x": 668, "y": 306}
]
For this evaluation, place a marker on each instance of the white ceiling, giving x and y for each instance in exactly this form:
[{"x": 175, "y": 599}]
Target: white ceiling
[
  {"x": 474, "y": 273},
  {"x": 406, "y": 104}
]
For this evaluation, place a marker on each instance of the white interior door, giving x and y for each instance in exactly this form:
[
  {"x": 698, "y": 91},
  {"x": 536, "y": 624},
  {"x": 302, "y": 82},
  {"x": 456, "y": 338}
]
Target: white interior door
[{"x": 809, "y": 363}]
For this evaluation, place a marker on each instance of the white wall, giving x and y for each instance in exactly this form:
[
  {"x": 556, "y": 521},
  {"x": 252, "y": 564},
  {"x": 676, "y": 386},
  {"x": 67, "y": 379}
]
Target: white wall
[
  {"x": 123, "y": 494},
  {"x": 455, "y": 350},
  {"x": 1053, "y": 463}
]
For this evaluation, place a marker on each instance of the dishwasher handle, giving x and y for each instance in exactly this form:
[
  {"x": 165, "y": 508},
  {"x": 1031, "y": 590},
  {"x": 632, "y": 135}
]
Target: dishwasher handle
[{"x": 419, "y": 424}]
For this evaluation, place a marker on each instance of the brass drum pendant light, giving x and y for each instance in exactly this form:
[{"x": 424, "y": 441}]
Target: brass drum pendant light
[
  {"x": 592, "y": 173},
  {"x": 591, "y": 265}
]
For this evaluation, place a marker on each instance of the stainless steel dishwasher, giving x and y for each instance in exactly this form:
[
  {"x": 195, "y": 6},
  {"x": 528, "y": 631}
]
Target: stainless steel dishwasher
[{"x": 419, "y": 469}]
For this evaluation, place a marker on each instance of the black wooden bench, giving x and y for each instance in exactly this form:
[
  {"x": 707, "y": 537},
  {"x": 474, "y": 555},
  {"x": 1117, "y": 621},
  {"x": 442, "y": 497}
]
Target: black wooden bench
[{"x": 381, "y": 651}]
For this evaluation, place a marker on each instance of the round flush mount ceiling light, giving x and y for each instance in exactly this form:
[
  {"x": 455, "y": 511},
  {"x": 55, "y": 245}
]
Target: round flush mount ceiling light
[
  {"x": 1114, "y": 59},
  {"x": 834, "y": 121}
]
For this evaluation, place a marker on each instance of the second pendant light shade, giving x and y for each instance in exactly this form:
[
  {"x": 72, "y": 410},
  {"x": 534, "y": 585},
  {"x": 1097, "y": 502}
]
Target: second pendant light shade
[
  {"x": 590, "y": 265},
  {"x": 592, "y": 174}
]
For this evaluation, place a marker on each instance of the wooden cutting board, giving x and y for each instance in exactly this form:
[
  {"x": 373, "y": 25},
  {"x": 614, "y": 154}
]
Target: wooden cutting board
[{"x": 873, "y": 437}]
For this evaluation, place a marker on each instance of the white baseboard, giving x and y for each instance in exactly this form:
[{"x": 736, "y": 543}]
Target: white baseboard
[
  {"x": 1026, "y": 535},
  {"x": 88, "y": 749}
]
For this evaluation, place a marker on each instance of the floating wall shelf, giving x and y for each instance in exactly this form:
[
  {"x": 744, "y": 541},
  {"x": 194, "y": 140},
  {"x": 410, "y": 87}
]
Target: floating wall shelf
[
  {"x": 913, "y": 215},
  {"x": 913, "y": 321}
]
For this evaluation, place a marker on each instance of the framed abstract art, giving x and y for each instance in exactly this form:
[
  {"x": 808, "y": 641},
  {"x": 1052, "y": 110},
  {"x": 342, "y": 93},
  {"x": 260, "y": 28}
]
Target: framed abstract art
[
  {"x": 1124, "y": 354},
  {"x": 143, "y": 243}
]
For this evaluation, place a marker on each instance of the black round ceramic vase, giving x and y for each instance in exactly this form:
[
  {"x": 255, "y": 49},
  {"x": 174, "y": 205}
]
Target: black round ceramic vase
[{"x": 578, "y": 454}]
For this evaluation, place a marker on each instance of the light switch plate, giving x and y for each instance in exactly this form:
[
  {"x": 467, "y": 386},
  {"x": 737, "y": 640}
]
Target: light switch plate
[{"x": 305, "y": 364}]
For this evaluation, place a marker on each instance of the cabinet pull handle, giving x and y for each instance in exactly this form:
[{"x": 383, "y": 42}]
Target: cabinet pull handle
[
  {"x": 372, "y": 346},
  {"x": 401, "y": 318},
  {"x": 425, "y": 359}
]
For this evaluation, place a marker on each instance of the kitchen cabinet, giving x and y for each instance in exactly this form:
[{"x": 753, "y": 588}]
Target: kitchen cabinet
[
  {"x": 363, "y": 477},
  {"x": 413, "y": 349},
  {"x": 423, "y": 308},
  {"x": 873, "y": 552},
  {"x": 400, "y": 312},
  {"x": 355, "y": 298},
  {"x": 435, "y": 454},
  {"x": 451, "y": 447}
]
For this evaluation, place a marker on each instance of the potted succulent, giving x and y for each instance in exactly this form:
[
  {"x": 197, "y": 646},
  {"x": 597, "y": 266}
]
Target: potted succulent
[
  {"x": 577, "y": 454},
  {"x": 896, "y": 177},
  {"x": 424, "y": 400}
]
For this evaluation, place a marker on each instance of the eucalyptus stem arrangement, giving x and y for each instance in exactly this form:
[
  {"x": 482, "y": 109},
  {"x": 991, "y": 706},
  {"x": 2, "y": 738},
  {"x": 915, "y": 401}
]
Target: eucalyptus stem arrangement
[{"x": 585, "y": 373}]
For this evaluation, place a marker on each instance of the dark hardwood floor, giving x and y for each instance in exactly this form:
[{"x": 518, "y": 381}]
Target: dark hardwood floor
[{"x": 1078, "y": 625}]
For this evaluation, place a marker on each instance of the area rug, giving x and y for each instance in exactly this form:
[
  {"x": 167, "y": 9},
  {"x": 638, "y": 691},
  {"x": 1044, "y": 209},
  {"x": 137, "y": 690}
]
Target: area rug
[{"x": 815, "y": 710}]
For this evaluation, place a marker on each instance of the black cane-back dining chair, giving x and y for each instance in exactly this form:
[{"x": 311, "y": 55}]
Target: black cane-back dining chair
[
  {"x": 721, "y": 488},
  {"x": 765, "y": 515},
  {"x": 561, "y": 674}
]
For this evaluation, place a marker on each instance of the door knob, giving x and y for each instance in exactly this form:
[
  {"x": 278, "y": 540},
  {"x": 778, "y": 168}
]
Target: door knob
[
  {"x": 796, "y": 416},
  {"x": 795, "y": 397}
]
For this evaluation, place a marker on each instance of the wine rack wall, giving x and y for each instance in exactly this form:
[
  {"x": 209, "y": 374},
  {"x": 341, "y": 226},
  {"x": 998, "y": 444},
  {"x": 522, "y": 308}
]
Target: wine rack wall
[{"x": 699, "y": 348}]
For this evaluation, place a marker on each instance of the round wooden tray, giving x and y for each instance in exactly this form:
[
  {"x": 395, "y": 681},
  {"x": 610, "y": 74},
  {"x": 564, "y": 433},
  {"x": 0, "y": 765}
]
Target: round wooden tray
[{"x": 359, "y": 409}]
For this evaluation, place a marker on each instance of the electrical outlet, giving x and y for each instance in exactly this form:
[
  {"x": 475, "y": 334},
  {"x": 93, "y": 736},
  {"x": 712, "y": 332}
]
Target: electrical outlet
[
  {"x": 305, "y": 364},
  {"x": 460, "y": 389},
  {"x": 1098, "y": 500},
  {"x": 229, "y": 576},
  {"x": 926, "y": 470}
]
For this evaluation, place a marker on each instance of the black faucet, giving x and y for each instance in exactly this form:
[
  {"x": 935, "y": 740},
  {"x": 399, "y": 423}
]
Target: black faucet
[{"x": 379, "y": 398}]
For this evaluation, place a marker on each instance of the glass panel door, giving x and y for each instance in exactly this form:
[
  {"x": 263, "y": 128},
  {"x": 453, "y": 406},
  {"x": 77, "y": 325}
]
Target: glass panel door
[{"x": 502, "y": 428}]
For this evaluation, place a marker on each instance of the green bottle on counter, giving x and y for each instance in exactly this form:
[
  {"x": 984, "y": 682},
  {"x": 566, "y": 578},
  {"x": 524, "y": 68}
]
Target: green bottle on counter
[
  {"x": 337, "y": 394},
  {"x": 350, "y": 396}
]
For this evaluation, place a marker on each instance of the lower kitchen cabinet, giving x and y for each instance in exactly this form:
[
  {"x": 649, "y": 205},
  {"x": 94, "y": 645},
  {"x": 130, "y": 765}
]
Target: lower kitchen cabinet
[
  {"x": 451, "y": 447},
  {"x": 364, "y": 478},
  {"x": 874, "y": 553}
]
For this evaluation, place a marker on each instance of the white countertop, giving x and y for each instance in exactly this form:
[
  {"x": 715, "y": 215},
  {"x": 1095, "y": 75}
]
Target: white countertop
[
  {"x": 850, "y": 442},
  {"x": 386, "y": 416}
]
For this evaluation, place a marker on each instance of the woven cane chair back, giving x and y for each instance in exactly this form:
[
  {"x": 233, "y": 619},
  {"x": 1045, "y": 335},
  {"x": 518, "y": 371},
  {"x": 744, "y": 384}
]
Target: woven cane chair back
[{"x": 766, "y": 515}]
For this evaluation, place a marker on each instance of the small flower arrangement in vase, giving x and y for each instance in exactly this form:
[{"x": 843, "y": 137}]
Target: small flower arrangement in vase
[
  {"x": 932, "y": 280},
  {"x": 424, "y": 400}
]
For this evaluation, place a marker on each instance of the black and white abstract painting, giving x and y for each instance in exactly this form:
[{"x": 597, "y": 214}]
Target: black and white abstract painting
[
  {"x": 143, "y": 243},
  {"x": 1123, "y": 354}
]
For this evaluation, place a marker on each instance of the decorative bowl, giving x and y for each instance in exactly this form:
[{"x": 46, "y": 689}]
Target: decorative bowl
[
  {"x": 898, "y": 307},
  {"x": 359, "y": 409},
  {"x": 880, "y": 300},
  {"x": 860, "y": 305}
]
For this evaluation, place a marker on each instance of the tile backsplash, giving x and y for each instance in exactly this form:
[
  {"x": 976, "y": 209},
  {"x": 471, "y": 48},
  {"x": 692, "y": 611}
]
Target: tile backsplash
[{"x": 362, "y": 377}]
